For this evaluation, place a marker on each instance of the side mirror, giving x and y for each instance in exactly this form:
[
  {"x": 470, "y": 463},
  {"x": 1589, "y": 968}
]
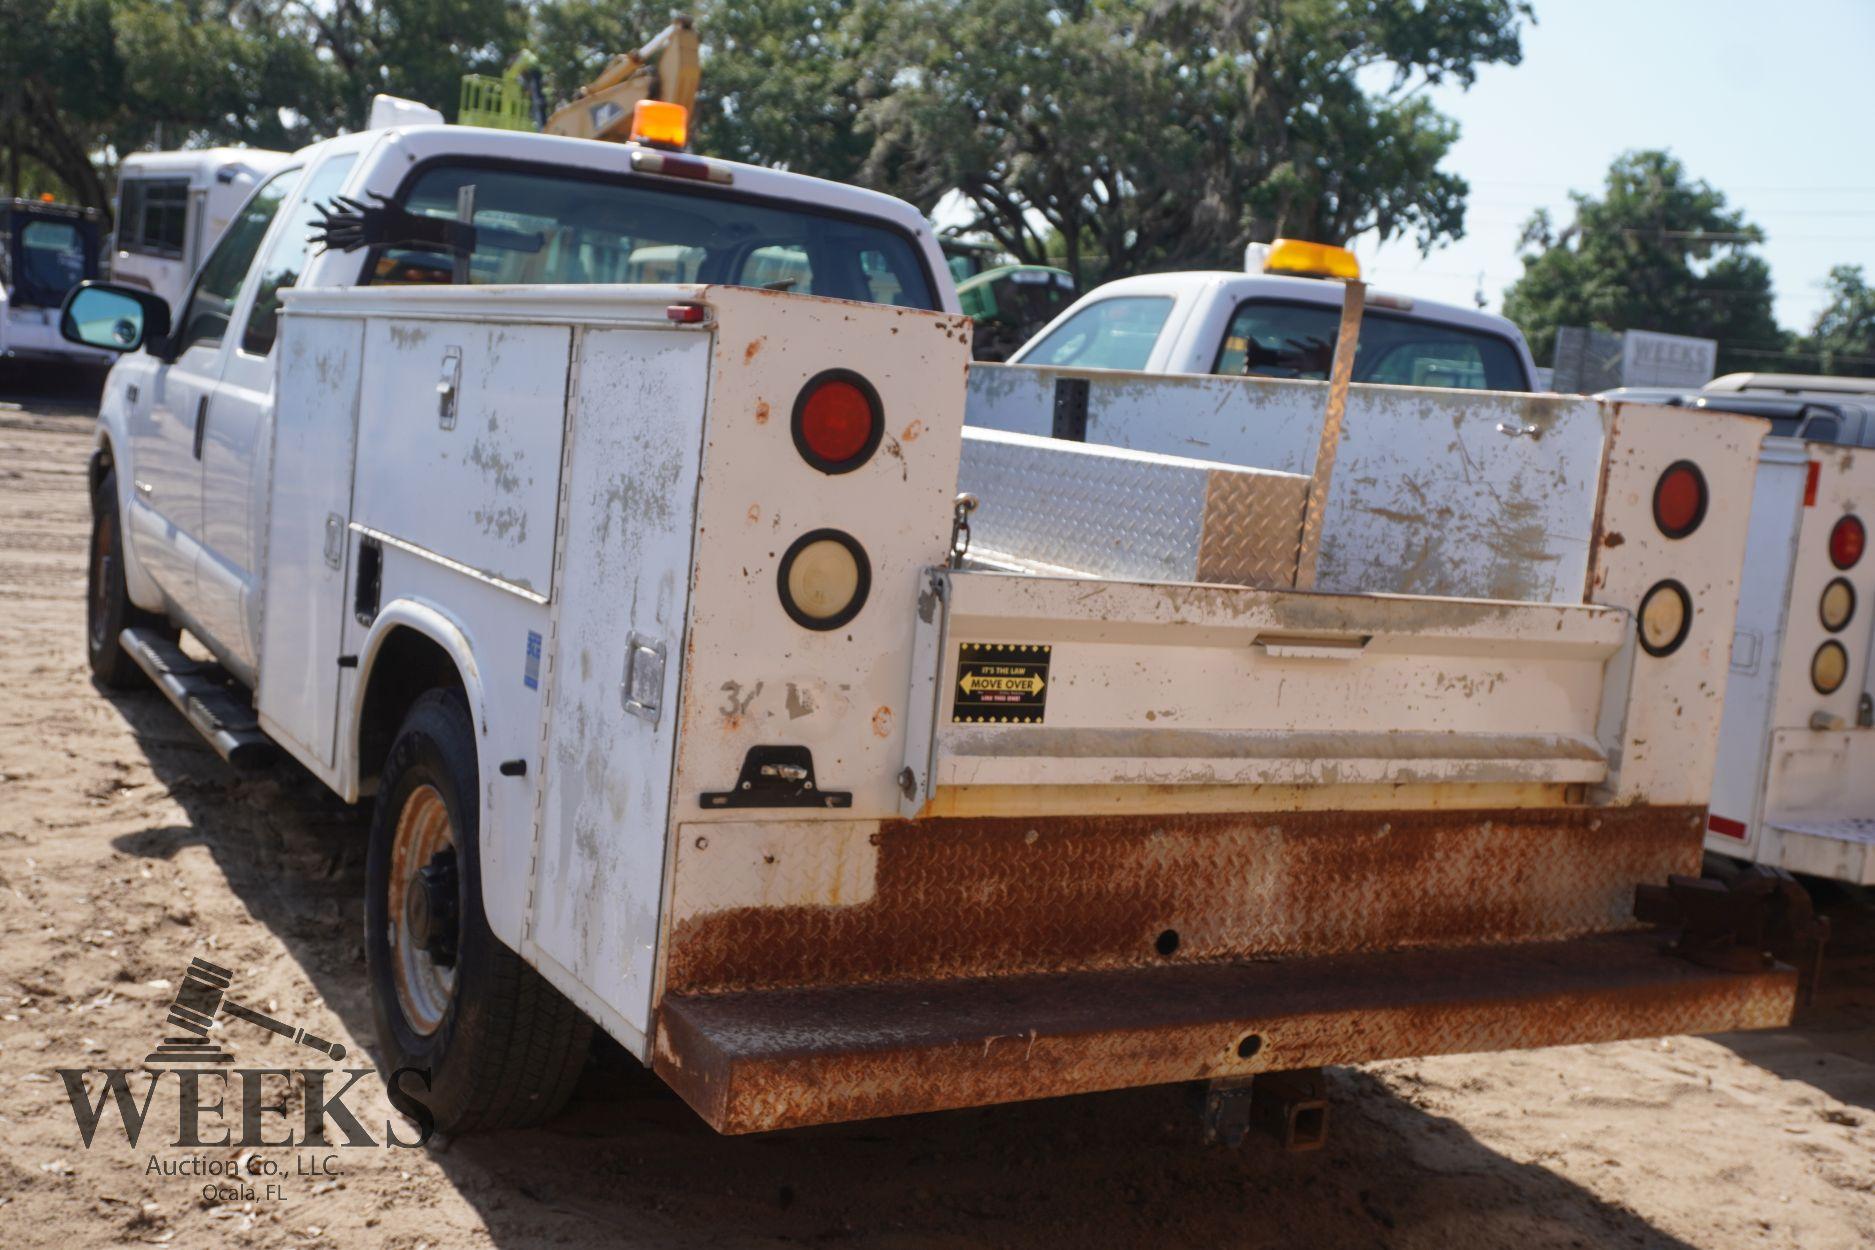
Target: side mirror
[{"x": 114, "y": 318}]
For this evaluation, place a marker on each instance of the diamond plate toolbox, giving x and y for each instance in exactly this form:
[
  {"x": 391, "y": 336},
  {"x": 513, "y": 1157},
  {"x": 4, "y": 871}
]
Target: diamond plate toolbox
[{"x": 1048, "y": 505}]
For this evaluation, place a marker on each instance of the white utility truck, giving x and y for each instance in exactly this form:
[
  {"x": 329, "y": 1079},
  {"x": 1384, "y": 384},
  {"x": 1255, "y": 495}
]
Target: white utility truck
[
  {"x": 1796, "y": 781},
  {"x": 173, "y": 206},
  {"x": 692, "y": 708},
  {"x": 1277, "y": 319}
]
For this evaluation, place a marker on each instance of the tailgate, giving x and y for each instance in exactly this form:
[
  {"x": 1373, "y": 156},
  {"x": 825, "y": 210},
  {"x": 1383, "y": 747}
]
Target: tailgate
[{"x": 1027, "y": 690}]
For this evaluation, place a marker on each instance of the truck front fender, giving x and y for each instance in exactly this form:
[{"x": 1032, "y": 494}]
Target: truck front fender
[{"x": 110, "y": 450}]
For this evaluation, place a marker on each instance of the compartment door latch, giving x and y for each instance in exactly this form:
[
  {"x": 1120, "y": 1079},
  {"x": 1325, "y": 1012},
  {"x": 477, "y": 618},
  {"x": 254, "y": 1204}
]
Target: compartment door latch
[
  {"x": 642, "y": 691},
  {"x": 449, "y": 388}
]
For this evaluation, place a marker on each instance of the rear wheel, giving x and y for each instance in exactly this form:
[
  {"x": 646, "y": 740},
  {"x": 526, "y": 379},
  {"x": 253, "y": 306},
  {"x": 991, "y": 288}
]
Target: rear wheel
[
  {"x": 503, "y": 1048},
  {"x": 108, "y": 610}
]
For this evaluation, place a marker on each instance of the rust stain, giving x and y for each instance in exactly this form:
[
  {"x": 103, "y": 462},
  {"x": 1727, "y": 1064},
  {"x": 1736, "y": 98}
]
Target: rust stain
[
  {"x": 965, "y": 897},
  {"x": 882, "y": 722},
  {"x": 761, "y": 412},
  {"x": 755, "y": 512},
  {"x": 911, "y": 432},
  {"x": 749, "y": 352},
  {"x": 1613, "y": 539}
]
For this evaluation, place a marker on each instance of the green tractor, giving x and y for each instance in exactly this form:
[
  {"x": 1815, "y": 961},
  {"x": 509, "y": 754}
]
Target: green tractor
[{"x": 1008, "y": 302}]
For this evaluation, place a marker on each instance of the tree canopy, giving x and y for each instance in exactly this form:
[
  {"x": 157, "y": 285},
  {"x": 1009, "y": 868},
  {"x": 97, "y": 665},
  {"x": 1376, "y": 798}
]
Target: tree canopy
[
  {"x": 1112, "y": 136},
  {"x": 1149, "y": 136},
  {"x": 1134, "y": 133},
  {"x": 1656, "y": 250},
  {"x": 1843, "y": 338}
]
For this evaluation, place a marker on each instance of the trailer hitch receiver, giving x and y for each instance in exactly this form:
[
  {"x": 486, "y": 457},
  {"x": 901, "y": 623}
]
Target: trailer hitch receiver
[{"x": 1291, "y": 1107}]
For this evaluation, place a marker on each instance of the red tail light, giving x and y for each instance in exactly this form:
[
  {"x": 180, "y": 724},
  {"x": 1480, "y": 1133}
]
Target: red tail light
[
  {"x": 837, "y": 421},
  {"x": 1680, "y": 499},
  {"x": 1846, "y": 542}
]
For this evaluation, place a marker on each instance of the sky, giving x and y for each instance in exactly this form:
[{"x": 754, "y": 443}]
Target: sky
[{"x": 1772, "y": 104}]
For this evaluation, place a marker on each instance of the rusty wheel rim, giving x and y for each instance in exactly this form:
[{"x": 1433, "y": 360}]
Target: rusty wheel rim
[
  {"x": 424, "y": 988},
  {"x": 101, "y": 570}
]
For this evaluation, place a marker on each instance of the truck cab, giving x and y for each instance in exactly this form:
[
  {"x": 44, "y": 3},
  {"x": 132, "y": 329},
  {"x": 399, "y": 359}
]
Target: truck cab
[
  {"x": 191, "y": 409},
  {"x": 1278, "y": 319}
]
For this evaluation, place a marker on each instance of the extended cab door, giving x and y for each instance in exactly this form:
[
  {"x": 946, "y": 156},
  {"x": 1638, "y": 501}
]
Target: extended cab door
[
  {"x": 168, "y": 426},
  {"x": 235, "y": 447}
]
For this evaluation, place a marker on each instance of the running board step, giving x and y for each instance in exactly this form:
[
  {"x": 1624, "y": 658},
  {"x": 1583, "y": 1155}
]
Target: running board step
[{"x": 200, "y": 692}]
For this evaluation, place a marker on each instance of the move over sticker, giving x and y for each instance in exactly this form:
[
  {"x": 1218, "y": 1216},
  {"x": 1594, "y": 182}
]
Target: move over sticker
[{"x": 1003, "y": 682}]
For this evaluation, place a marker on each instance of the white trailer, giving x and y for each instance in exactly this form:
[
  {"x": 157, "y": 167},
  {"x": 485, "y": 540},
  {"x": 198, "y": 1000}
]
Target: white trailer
[
  {"x": 639, "y": 612},
  {"x": 172, "y": 206},
  {"x": 1796, "y": 782}
]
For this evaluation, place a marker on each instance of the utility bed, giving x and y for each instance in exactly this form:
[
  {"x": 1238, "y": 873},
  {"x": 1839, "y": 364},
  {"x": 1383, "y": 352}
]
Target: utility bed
[{"x": 1100, "y": 797}]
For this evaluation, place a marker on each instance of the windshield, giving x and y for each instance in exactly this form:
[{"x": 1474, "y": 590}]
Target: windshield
[
  {"x": 1276, "y": 339},
  {"x": 537, "y": 227},
  {"x": 1115, "y": 333}
]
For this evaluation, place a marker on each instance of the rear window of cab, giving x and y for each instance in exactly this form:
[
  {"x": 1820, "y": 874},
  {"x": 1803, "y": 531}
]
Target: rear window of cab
[
  {"x": 536, "y": 226},
  {"x": 1284, "y": 339}
]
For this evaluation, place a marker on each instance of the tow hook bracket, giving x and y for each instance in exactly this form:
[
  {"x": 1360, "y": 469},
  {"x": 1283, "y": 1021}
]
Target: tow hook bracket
[
  {"x": 1290, "y": 1107},
  {"x": 1762, "y": 916},
  {"x": 777, "y": 776},
  {"x": 1224, "y": 1110}
]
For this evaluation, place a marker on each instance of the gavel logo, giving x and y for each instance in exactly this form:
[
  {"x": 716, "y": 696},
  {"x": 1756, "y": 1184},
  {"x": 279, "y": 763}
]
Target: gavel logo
[{"x": 202, "y": 995}]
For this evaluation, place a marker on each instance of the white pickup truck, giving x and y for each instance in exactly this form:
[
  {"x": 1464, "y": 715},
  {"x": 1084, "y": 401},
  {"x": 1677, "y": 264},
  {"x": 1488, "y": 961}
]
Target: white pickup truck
[
  {"x": 637, "y": 596},
  {"x": 1277, "y": 319}
]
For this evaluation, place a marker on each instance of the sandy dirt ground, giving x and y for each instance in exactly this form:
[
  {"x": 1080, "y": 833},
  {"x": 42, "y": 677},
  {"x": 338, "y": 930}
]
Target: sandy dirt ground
[{"x": 127, "y": 847}]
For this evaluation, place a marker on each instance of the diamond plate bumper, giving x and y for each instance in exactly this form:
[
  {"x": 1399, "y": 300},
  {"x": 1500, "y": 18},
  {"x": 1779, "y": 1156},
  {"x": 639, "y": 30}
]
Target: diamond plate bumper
[
  {"x": 940, "y": 899},
  {"x": 775, "y": 1059}
]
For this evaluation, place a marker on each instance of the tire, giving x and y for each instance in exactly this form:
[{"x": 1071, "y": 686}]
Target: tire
[
  {"x": 108, "y": 610},
  {"x": 502, "y": 1046}
]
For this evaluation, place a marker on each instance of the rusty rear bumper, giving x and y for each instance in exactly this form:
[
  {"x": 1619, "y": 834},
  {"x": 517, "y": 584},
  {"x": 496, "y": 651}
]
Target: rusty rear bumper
[{"x": 781, "y": 1058}]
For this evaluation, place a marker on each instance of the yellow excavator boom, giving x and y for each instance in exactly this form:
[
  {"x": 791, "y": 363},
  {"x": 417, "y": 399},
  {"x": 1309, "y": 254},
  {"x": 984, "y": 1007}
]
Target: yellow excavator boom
[{"x": 666, "y": 68}]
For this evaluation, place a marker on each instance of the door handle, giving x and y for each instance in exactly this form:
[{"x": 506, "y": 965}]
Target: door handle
[
  {"x": 201, "y": 424},
  {"x": 1311, "y": 646}
]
